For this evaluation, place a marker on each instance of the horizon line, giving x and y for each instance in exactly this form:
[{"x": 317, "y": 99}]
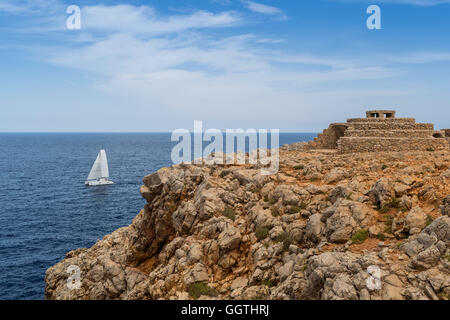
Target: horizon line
[{"x": 309, "y": 132}]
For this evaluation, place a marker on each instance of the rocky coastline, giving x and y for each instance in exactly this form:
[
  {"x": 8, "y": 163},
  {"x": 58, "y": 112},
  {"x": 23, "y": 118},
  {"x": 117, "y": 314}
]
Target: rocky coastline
[{"x": 315, "y": 230}]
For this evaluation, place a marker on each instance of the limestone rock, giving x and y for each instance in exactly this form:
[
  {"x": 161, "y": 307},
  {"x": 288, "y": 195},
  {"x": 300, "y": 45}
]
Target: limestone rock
[
  {"x": 416, "y": 219},
  {"x": 314, "y": 228},
  {"x": 285, "y": 236},
  {"x": 446, "y": 206},
  {"x": 335, "y": 175},
  {"x": 343, "y": 219},
  {"x": 238, "y": 283},
  {"x": 382, "y": 192}
]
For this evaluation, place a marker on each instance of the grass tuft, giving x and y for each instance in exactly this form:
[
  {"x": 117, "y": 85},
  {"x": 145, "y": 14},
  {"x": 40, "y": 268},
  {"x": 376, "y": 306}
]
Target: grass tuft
[
  {"x": 286, "y": 239},
  {"x": 229, "y": 213},
  {"x": 360, "y": 236},
  {"x": 275, "y": 212},
  {"x": 294, "y": 209},
  {"x": 261, "y": 233},
  {"x": 381, "y": 236},
  {"x": 267, "y": 283},
  {"x": 198, "y": 289},
  {"x": 388, "y": 223},
  {"x": 395, "y": 202},
  {"x": 384, "y": 209}
]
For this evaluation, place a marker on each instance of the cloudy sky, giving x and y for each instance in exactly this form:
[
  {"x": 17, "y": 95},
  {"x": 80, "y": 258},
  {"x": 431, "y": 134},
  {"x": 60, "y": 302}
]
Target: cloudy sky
[{"x": 159, "y": 65}]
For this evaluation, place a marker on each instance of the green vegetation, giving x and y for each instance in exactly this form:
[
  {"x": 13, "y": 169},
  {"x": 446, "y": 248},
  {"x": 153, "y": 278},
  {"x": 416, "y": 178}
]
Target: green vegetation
[
  {"x": 360, "y": 236},
  {"x": 349, "y": 196},
  {"x": 266, "y": 198},
  {"x": 294, "y": 209},
  {"x": 384, "y": 167},
  {"x": 272, "y": 201},
  {"x": 286, "y": 239},
  {"x": 444, "y": 296},
  {"x": 201, "y": 289},
  {"x": 384, "y": 209},
  {"x": 267, "y": 282},
  {"x": 395, "y": 202},
  {"x": 275, "y": 212},
  {"x": 255, "y": 190},
  {"x": 305, "y": 266},
  {"x": 388, "y": 224},
  {"x": 430, "y": 149},
  {"x": 303, "y": 205},
  {"x": 429, "y": 220},
  {"x": 381, "y": 236},
  {"x": 299, "y": 167},
  {"x": 229, "y": 213},
  {"x": 261, "y": 233}
]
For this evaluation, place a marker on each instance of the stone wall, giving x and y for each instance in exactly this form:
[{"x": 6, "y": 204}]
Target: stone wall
[
  {"x": 447, "y": 135},
  {"x": 388, "y": 133},
  {"x": 369, "y": 144},
  {"x": 393, "y": 120},
  {"x": 381, "y": 134},
  {"x": 329, "y": 137},
  {"x": 391, "y": 125},
  {"x": 447, "y": 132}
]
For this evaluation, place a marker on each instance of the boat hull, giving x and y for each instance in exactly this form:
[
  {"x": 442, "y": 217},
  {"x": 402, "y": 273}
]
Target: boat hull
[{"x": 99, "y": 182}]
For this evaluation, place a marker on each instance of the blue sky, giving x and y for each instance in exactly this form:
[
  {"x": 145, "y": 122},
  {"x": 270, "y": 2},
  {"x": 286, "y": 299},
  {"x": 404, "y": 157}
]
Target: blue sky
[{"x": 160, "y": 65}]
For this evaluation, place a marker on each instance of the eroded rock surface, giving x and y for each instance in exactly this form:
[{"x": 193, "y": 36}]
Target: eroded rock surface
[{"x": 326, "y": 226}]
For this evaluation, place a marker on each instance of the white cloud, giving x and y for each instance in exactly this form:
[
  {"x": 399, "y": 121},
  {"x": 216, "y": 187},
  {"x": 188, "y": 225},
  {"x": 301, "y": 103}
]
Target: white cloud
[
  {"x": 264, "y": 9},
  {"x": 144, "y": 19},
  {"x": 421, "y": 57},
  {"x": 222, "y": 80}
]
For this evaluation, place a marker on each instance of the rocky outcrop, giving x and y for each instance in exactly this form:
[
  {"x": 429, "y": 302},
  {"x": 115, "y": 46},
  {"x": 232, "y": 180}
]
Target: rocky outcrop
[
  {"x": 446, "y": 206},
  {"x": 326, "y": 226}
]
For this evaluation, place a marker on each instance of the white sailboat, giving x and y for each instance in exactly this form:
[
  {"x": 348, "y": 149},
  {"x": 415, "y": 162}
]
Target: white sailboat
[{"x": 99, "y": 174}]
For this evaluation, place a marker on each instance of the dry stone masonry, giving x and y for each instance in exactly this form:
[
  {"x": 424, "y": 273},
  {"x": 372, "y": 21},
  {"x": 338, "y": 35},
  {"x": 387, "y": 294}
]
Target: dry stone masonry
[{"x": 381, "y": 131}]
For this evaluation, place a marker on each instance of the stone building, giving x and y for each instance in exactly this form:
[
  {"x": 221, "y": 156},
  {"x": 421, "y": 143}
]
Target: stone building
[{"x": 381, "y": 131}]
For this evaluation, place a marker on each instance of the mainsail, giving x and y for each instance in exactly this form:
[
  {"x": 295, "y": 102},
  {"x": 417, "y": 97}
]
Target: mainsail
[{"x": 100, "y": 167}]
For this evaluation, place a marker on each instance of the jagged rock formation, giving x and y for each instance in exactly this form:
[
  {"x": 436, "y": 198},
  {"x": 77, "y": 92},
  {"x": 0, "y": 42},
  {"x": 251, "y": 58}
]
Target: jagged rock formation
[
  {"x": 381, "y": 131},
  {"x": 315, "y": 230}
]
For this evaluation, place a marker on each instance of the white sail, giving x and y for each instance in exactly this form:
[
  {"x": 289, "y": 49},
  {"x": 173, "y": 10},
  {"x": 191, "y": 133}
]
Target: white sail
[
  {"x": 100, "y": 167},
  {"x": 104, "y": 164}
]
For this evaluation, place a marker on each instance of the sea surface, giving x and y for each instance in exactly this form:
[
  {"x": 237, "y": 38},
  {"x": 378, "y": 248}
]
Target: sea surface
[{"x": 45, "y": 208}]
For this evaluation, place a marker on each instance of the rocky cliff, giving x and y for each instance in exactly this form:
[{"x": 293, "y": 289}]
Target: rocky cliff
[{"x": 327, "y": 226}]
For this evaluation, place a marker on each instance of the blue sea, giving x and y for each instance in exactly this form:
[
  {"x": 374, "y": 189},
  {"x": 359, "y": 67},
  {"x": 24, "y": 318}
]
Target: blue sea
[{"x": 45, "y": 208}]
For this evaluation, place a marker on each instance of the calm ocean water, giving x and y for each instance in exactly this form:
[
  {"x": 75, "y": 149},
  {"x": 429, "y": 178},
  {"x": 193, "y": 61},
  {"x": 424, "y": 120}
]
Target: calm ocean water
[{"x": 45, "y": 208}]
